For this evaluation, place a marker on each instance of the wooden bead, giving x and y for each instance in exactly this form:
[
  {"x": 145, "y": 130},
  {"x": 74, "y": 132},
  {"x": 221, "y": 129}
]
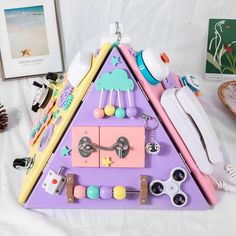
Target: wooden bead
[
  {"x": 106, "y": 192},
  {"x": 93, "y": 192},
  {"x": 119, "y": 192},
  {"x": 80, "y": 191}
]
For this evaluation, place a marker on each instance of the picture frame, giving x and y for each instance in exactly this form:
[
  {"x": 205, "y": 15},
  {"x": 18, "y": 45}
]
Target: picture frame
[
  {"x": 221, "y": 50},
  {"x": 29, "y": 38}
]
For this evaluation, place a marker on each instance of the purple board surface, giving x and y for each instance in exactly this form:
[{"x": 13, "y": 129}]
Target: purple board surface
[{"x": 156, "y": 166}]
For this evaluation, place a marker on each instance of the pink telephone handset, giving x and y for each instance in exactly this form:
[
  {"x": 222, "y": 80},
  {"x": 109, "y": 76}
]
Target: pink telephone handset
[
  {"x": 193, "y": 125},
  {"x": 154, "y": 93}
]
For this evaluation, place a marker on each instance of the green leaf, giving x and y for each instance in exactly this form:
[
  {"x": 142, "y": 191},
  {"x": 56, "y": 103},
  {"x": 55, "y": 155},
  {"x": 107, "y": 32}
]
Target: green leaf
[
  {"x": 234, "y": 60},
  {"x": 220, "y": 54},
  {"x": 230, "y": 62},
  {"x": 227, "y": 68},
  {"x": 210, "y": 58}
]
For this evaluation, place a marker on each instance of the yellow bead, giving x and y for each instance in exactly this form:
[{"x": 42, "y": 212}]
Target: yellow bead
[
  {"x": 109, "y": 110},
  {"x": 119, "y": 192}
]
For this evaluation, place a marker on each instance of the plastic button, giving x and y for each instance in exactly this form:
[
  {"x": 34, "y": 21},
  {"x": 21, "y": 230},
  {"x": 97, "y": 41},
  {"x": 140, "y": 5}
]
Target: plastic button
[
  {"x": 54, "y": 181},
  {"x": 165, "y": 58}
]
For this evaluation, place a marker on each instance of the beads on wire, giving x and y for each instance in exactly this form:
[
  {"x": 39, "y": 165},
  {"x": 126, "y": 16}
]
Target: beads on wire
[
  {"x": 94, "y": 192},
  {"x": 109, "y": 110}
]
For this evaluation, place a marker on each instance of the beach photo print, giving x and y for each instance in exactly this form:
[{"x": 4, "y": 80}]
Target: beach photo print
[
  {"x": 27, "y": 31},
  {"x": 29, "y": 38}
]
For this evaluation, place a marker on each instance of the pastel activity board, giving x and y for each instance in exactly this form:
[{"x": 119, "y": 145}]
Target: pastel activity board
[
  {"x": 52, "y": 121},
  {"x": 154, "y": 93},
  {"x": 102, "y": 138}
]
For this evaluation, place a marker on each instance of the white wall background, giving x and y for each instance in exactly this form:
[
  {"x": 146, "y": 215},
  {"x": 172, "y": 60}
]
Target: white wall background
[{"x": 179, "y": 27}]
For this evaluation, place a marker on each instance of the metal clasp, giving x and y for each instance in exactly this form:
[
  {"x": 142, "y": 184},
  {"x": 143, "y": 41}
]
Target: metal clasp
[
  {"x": 147, "y": 122},
  {"x": 118, "y": 31},
  {"x": 121, "y": 147}
]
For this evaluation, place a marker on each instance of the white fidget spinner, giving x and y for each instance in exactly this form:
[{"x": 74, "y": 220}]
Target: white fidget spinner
[{"x": 171, "y": 187}]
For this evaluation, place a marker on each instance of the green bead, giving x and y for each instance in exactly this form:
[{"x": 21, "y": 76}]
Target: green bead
[
  {"x": 120, "y": 113},
  {"x": 93, "y": 192}
]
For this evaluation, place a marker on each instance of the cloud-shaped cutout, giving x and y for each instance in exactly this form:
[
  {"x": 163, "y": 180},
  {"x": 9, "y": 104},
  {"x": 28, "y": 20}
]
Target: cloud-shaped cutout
[{"x": 117, "y": 79}]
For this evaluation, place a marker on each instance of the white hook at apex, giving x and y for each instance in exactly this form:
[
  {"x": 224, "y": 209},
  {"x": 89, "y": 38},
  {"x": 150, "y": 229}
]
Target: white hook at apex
[{"x": 115, "y": 35}]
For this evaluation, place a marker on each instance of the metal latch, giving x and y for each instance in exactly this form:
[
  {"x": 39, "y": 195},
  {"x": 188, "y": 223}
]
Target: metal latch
[
  {"x": 121, "y": 147},
  {"x": 54, "y": 181}
]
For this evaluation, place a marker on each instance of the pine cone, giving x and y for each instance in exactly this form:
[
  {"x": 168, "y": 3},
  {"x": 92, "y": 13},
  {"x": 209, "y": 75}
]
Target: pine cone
[{"x": 3, "y": 118}]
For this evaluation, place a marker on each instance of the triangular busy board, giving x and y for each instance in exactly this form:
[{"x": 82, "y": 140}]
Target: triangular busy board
[{"x": 116, "y": 153}]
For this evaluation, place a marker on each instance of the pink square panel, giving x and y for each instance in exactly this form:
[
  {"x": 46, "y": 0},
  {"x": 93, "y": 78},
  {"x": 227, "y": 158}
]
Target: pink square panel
[
  {"x": 136, "y": 154},
  {"x": 77, "y": 134}
]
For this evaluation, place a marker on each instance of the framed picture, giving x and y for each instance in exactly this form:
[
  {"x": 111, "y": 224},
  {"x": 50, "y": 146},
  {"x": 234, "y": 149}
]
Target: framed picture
[
  {"x": 29, "y": 39},
  {"x": 221, "y": 50}
]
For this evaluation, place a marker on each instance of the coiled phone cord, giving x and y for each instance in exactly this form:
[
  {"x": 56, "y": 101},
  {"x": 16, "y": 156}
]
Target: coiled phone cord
[
  {"x": 231, "y": 172},
  {"x": 222, "y": 185}
]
